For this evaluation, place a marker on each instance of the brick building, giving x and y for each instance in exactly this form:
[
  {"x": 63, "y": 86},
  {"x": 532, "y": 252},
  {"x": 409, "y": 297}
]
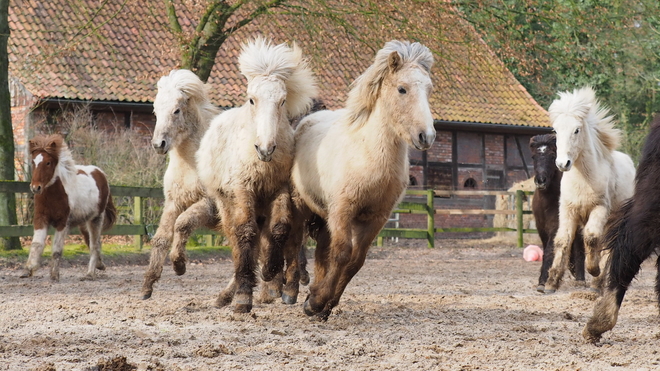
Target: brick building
[{"x": 483, "y": 116}]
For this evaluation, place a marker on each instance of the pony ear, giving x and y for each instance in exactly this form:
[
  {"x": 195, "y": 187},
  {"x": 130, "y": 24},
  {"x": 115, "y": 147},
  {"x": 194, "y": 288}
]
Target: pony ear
[
  {"x": 33, "y": 145},
  {"x": 52, "y": 146},
  {"x": 394, "y": 61},
  {"x": 532, "y": 142}
]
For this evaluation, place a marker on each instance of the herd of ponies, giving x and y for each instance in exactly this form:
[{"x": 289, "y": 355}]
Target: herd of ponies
[{"x": 337, "y": 176}]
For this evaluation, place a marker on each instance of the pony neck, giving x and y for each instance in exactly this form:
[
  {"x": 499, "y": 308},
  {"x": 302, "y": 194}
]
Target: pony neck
[
  {"x": 591, "y": 157},
  {"x": 381, "y": 141},
  {"x": 66, "y": 168},
  {"x": 198, "y": 119}
]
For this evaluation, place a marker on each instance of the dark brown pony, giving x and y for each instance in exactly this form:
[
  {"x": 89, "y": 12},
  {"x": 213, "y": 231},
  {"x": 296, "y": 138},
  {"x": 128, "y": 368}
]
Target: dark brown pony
[
  {"x": 545, "y": 206},
  {"x": 65, "y": 196},
  {"x": 632, "y": 234}
]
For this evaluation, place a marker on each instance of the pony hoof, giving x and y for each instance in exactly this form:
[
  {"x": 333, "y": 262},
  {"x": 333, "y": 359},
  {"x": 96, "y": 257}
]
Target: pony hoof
[
  {"x": 590, "y": 336},
  {"x": 26, "y": 273},
  {"x": 87, "y": 277},
  {"x": 307, "y": 308},
  {"x": 243, "y": 308},
  {"x": 550, "y": 291},
  {"x": 100, "y": 266},
  {"x": 179, "y": 267},
  {"x": 304, "y": 278},
  {"x": 223, "y": 301},
  {"x": 274, "y": 293},
  {"x": 146, "y": 296},
  {"x": 595, "y": 291},
  {"x": 288, "y": 299},
  {"x": 540, "y": 288}
]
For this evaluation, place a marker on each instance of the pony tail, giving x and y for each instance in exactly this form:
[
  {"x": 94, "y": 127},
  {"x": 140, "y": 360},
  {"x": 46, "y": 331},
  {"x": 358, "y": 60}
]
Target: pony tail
[{"x": 110, "y": 214}]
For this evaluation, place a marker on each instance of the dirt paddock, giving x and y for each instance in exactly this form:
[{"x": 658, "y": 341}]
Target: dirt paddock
[{"x": 465, "y": 305}]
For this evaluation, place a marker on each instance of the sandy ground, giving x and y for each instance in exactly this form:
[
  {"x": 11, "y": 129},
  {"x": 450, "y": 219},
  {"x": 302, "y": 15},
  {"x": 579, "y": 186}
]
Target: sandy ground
[{"x": 465, "y": 305}]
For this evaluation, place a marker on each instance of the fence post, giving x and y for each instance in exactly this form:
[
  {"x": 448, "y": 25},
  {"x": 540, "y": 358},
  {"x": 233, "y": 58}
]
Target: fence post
[
  {"x": 430, "y": 208},
  {"x": 519, "y": 216},
  {"x": 137, "y": 220}
]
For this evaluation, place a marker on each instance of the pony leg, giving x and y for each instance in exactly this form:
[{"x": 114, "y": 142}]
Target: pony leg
[
  {"x": 293, "y": 270},
  {"x": 563, "y": 241},
  {"x": 270, "y": 290},
  {"x": 576, "y": 262},
  {"x": 322, "y": 291},
  {"x": 548, "y": 256},
  {"x": 227, "y": 295},
  {"x": 241, "y": 229},
  {"x": 278, "y": 227},
  {"x": 160, "y": 244},
  {"x": 623, "y": 265},
  {"x": 94, "y": 229},
  {"x": 200, "y": 213},
  {"x": 57, "y": 248},
  {"x": 36, "y": 250},
  {"x": 592, "y": 232}
]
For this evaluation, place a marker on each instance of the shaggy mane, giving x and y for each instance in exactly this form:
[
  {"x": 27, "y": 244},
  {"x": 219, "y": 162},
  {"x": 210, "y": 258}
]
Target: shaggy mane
[
  {"x": 187, "y": 84},
  {"x": 55, "y": 146},
  {"x": 583, "y": 105},
  {"x": 366, "y": 88},
  {"x": 260, "y": 57}
]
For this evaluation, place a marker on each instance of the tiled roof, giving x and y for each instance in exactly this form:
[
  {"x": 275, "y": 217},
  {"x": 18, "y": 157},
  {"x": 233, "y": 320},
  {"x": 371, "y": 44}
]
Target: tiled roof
[{"x": 54, "y": 55}]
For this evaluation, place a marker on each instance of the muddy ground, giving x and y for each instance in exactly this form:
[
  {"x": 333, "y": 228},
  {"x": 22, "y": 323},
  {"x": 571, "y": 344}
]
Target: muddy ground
[{"x": 465, "y": 305}]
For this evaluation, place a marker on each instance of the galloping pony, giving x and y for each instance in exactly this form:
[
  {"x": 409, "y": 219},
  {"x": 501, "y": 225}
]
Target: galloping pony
[
  {"x": 596, "y": 179},
  {"x": 351, "y": 165},
  {"x": 545, "y": 207},
  {"x": 632, "y": 234},
  {"x": 66, "y": 195},
  {"x": 183, "y": 113},
  {"x": 244, "y": 161}
]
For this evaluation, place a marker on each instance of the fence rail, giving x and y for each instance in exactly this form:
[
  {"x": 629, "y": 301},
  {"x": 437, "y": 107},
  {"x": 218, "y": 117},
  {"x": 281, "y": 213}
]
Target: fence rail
[{"x": 138, "y": 228}]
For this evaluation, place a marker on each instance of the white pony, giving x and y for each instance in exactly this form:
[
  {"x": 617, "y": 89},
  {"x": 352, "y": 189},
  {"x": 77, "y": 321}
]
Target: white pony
[
  {"x": 244, "y": 161},
  {"x": 596, "y": 178},
  {"x": 183, "y": 113},
  {"x": 351, "y": 166}
]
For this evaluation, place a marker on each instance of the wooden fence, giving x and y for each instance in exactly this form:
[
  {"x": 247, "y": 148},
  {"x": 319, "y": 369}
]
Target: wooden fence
[
  {"x": 139, "y": 228},
  {"x": 429, "y": 209}
]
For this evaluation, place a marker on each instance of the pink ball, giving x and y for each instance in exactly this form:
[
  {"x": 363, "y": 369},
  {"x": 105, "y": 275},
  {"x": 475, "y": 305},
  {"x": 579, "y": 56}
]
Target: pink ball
[{"x": 533, "y": 253}]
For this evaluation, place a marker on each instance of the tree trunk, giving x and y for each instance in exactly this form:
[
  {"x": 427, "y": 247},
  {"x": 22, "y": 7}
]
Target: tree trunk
[{"x": 7, "y": 200}]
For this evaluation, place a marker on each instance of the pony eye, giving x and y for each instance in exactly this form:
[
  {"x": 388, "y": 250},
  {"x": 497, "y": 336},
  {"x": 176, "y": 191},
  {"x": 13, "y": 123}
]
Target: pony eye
[
  {"x": 284, "y": 101},
  {"x": 251, "y": 101},
  {"x": 577, "y": 131},
  {"x": 402, "y": 90}
]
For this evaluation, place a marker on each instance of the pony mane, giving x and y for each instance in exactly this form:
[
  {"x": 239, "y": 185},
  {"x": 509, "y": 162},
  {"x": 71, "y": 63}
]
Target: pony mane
[
  {"x": 366, "y": 88},
  {"x": 186, "y": 83},
  {"x": 260, "y": 57},
  {"x": 583, "y": 105},
  {"x": 543, "y": 140},
  {"x": 55, "y": 146}
]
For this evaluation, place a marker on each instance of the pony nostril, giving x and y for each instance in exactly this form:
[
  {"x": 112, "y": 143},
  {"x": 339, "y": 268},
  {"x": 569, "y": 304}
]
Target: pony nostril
[
  {"x": 422, "y": 138},
  {"x": 272, "y": 150},
  {"x": 568, "y": 163},
  {"x": 542, "y": 179}
]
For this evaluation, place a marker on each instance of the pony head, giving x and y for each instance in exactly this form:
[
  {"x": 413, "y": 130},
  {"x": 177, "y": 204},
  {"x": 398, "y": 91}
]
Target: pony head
[
  {"x": 281, "y": 86},
  {"x": 581, "y": 123},
  {"x": 400, "y": 79},
  {"x": 45, "y": 152},
  {"x": 180, "y": 94},
  {"x": 544, "y": 154}
]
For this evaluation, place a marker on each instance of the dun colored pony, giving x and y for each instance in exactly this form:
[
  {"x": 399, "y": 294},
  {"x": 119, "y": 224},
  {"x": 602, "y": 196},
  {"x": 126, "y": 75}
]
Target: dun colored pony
[
  {"x": 599, "y": 179},
  {"x": 545, "y": 206},
  {"x": 66, "y": 195},
  {"x": 183, "y": 113},
  {"x": 244, "y": 162},
  {"x": 632, "y": 234},
  {"x": 351, "y": 165}
]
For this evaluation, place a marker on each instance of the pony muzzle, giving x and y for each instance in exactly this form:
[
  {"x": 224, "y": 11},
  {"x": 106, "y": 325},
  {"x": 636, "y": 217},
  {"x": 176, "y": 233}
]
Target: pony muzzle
[
  {"x": 424, "y": 140},
  {"x": 564, "y": 165},
  {"x": 161, "y": 146},
  {"x": 36, "y": 189},
  {"x": 265, "y": 154}
]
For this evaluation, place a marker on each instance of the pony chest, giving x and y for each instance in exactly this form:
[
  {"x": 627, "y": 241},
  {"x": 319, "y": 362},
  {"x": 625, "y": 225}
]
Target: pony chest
[{"x": 51, "y": 207}]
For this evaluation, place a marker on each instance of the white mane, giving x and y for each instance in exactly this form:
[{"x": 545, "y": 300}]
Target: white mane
[
  {"x": 366, "y": 88},
  {"x": 260, "y": 58},
  {"x": 186, "y": 84},
  {"x": 584, "y": 106}
]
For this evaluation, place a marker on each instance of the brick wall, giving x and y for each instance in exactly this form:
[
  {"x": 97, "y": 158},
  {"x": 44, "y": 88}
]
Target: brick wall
[{"x": 441, "y": 150}]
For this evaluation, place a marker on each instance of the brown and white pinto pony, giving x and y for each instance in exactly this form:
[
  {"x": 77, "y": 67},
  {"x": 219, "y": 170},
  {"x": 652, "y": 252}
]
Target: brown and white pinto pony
[
  {"x": 351, "y": 166},
  {"x": 183, "y": 112},
  {"x": 66, "y": 195},
  {"x": 632, "y": 235},
  {"x": 244, "y": 162},
  {"x": 545, "y": 207}
]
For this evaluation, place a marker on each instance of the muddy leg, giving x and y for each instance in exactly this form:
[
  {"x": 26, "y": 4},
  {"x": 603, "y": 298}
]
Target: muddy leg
[
  {"x": 576, "y": 261},
  {"x": 160, "y": 244},
  {"x": 58, "y": 246},
  {"x": 592, "y": 232},
  {"x": 278, "y": 225},
  {"x": 272, "y": 289},
  {"x": 292, "y": 256},
  {"x": 548, "y": 255},
  {"x": 623, "y": 266},
  {"x": 562, "y": 241},
  {"x": 227, "y": 295},
  {"x": 203, "y": 212},
  {"x": 36, "y": 250},
  {"x": 95, "y": 260}
]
